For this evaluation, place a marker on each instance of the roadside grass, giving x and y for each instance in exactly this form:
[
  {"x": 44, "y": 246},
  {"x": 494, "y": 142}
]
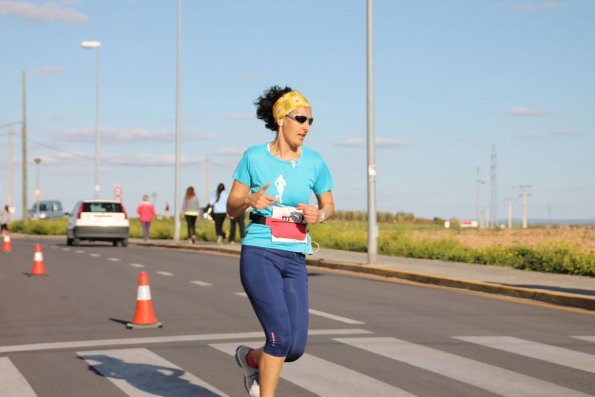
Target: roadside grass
[{"x": 396, "y": 239}]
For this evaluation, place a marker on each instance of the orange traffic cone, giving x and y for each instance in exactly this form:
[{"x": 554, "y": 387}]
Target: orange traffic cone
[
  {"x": 38, "y": 268},
  {"x": 6, "y": 245},
  {"x": 144, "y": 317}
]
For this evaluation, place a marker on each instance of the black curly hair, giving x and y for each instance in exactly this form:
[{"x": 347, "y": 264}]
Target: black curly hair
[{"x": 264, "y": 105}]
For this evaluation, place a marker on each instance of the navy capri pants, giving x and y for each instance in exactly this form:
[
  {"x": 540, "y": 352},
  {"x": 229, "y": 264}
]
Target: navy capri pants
[{"x": 276, "y": 282}]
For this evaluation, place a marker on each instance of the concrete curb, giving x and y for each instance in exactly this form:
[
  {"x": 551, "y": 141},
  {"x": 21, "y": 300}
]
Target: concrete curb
[{"x": 556, "y": 298}]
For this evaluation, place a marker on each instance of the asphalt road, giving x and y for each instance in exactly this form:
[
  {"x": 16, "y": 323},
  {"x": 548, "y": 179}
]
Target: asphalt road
[{"x": 64, "y": 334}]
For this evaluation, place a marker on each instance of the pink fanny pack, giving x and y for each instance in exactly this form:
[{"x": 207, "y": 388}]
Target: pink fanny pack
[{"x": 284, "y": 229}]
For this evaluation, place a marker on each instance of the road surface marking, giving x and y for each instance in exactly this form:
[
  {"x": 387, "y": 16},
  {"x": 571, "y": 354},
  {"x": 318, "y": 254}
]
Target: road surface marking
[
  {"x": 540, "y": 351},
  {"x": 140, "y": 372},
  {"x": 136, "y": 265},
  {"x": 162, "y": 273},
  {"x": 65, "y": 249},
  {"x": 587, "y": 338},
  {"x": 327, "y": 379},
  {"x": 95, "y": 255},
  {"x": 114, "y": 259},
  {"x": 162, "y": 339},
  {"x": 79, "y": 251},
  {"x": 201, "y": 283},
  {"x": 334, "y": 317},
  {"x": 320, "y": 313},
  {"x": 12, "y": 381},
  {"x": 488, "y": 377}
]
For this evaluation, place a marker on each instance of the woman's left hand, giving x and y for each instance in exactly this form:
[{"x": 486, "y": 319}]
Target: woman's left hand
[{"x": 311, "y": 214}]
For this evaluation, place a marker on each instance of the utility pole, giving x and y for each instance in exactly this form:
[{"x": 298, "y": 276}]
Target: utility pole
[
  {"x": 494, "y": 190},
  {"x": 478, "y": 216},
  {"x": 10, "y": 169},
  {"x": 24, "y": 145},
  {"x": 177, "y": 168},
  {"x": 524, "y": 195},
  {"x": 207, "y": 191},
  {"x": 372, "y": 217},
  {"x": 509, "y": 201}
]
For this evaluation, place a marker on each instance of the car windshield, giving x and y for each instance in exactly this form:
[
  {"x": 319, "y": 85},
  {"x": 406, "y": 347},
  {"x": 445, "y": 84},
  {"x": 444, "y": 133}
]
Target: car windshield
[{"x": 102, "y": 207}]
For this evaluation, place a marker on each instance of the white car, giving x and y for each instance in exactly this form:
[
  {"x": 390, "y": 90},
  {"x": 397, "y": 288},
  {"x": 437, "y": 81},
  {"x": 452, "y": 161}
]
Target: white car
[{"x": 98, "y": 220}]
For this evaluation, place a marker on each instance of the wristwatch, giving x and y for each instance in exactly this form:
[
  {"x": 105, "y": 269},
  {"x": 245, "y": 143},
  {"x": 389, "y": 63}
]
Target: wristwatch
[{"x": 323, "y": 217}]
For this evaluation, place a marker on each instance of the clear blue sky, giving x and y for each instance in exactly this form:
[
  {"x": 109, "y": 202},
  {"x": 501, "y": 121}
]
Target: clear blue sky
[{"x": 452, "y": 79}]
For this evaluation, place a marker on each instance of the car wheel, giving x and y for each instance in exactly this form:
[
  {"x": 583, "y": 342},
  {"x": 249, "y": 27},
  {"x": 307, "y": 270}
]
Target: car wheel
[
  {"x": 124, "y": 242},
  {"x": 115, "y": 243},
  {"x": 68, "y": 241}
]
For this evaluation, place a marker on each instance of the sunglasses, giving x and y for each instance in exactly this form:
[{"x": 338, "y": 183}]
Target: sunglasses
[{"x": 301, "y": 118}]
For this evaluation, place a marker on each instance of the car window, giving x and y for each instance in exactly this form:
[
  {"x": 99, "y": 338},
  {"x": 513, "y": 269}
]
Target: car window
[{"x": 102, "y": 207}]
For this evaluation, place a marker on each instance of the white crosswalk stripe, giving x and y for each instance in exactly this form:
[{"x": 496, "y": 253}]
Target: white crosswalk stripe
[
  {"x": 327, "y": 379},
  {"x": 12, "y": 382},
  {"x": 488, "y": 377},
  {"x": 540, "y": 351},
  {"x": 140, "y": 373}
]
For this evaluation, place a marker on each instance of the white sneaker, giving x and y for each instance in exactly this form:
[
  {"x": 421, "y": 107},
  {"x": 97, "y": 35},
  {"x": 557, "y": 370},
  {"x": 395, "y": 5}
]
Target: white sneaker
[{"x": 251, "y": 374}]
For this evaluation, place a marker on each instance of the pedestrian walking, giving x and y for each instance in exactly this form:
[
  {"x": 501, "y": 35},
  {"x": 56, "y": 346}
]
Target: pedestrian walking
[
  {"x": 219, "y": 205},
  {"x": 5, "y": 218},
  {"x": 276, "y": 179},
  {"x": 237, "y": 222},
  {"x": 191, "y": 210},
  {"x": 146, "y": 213}
]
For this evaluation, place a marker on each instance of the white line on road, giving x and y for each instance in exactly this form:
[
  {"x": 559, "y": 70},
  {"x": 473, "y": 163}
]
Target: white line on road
[
  {"x": 136, "y": 265},
  {"x": 201, "y": 283},
  {"x": 65, "y": 249},
  {"x": 162, "y": 339},
  {"x": 320, "y": 313},
  {"x": 114, "y": 259},
  {"x": 324, "y": 378},
  {"x": 95, "y": 255},
  {"x": 334, "y": 317},
  {"x": 488, "y": 377},
  {"x": 140, "y": 372},
  {"x": 79, "y": 251},
  {"x": 540, "y": 351},
  {"x": 12, "y": 381},
  {"x": 587, "y": 338},
  {"x": 162, "y": 273}
]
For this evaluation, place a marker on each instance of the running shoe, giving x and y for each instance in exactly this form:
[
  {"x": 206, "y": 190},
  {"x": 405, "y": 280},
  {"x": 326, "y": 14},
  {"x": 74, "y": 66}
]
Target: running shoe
[{"x": 250, "y": 374}]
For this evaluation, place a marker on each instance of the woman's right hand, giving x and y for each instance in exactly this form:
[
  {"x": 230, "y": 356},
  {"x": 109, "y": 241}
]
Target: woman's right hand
[{"x": 260, "y": 200}]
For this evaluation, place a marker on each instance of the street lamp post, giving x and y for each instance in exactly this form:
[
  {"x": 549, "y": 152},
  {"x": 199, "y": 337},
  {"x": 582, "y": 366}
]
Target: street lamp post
[
  {"x": 96, "y": 45},
  {"x": 37, "y": 191}
]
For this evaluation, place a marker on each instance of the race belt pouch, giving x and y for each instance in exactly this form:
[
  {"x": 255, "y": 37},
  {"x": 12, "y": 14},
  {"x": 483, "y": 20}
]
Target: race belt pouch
[{"x": 286, "y": 225}]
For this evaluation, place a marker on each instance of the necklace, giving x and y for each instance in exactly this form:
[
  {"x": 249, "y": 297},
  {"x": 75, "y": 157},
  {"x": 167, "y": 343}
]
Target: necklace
[{"x": 277, "y": 152}]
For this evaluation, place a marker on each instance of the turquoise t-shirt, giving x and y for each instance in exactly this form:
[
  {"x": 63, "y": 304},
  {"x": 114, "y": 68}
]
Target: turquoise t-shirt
[{"x": 291, "y": 182}]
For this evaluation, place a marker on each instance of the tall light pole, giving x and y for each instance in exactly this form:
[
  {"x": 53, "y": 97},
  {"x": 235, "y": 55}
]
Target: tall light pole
[
  {"x": 372, "y": 220},
  {"x": 10, "y": 164},
  {"x": 97, "y": 46},
  {"x": 177, "y": 170},
  {"x": 37, "y": 191},
  {"x": 24, "y": 147}
]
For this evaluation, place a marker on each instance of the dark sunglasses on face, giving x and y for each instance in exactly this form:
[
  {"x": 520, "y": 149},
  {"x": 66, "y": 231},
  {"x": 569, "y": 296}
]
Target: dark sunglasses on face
[{"x": 301, "y": 118}]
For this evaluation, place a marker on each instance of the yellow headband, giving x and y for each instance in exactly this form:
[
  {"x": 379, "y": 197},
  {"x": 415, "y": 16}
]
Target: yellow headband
[{"x": 288, "y": 103}]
